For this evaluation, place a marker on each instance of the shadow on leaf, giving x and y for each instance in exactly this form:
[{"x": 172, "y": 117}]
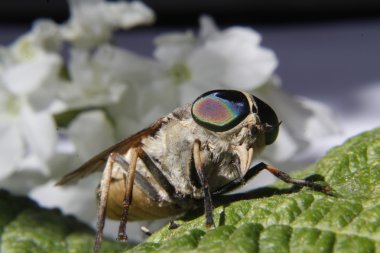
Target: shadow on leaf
[{"x": 263, "y": 192}]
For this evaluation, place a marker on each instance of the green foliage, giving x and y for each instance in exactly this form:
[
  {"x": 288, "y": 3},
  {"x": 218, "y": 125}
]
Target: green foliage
[
  {"x": 27, "y": 228},
  {"x": 274, "y": 219}
]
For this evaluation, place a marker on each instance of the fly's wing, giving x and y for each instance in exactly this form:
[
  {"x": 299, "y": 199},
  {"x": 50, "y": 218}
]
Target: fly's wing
[{"x": 97, "y": 163}]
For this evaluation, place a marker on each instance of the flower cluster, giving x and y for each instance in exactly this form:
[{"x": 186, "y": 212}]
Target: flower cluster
[{"x": 67, "y": 92}]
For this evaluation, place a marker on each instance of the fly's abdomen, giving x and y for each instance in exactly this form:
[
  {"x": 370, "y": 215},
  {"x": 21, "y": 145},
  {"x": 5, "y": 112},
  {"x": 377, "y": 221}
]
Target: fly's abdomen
[{"x": 143, "y": 206}]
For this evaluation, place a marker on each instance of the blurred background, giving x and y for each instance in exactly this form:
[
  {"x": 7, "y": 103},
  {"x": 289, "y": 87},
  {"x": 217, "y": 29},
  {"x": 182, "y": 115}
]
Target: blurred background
[{"x": 327, "y": 50}]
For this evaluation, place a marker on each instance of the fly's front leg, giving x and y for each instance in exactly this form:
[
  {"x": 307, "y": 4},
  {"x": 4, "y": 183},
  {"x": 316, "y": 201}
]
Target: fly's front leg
[
  {"x": 122, "y": 235},
  {"x": 207, "y": 195},
  {"x": 253, "y": 171},
  {"x": 286, "y": 178}
]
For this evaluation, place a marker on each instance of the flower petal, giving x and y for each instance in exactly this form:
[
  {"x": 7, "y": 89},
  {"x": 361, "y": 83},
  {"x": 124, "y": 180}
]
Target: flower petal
[
  {"x": 321, "y": 123},
  {"x": 174, "y": 48},
  {"x": 39, "y": 131},
  {"x": 11, "y": 149},
  {"x": 43, "y": 38},
  {"x": 21, "y": 182},
  {"x": 127, "y": 15},
  {"x": 303, "y": 121},
  {"x": 140, "y": 106},
  {"x": 207, "y": 27},
  {"x": 92, "y": 22},
  {"x": 125, "y": 66},
  {"x": 91, "y": 132},
  {"x": 27, "y": 76},
  {"x": 79, "y": 199},
  {"x": 234, "y": 59},
  {"x": 92, "y": 84}
]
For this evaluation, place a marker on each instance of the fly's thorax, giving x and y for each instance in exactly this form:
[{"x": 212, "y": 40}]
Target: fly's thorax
[{"x": 171, "y": 148}]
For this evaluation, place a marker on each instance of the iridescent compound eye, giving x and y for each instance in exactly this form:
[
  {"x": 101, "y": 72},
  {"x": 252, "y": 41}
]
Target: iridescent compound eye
[
  {"x": 220, "y": 110},
  {"x": 268, "y": 119}
]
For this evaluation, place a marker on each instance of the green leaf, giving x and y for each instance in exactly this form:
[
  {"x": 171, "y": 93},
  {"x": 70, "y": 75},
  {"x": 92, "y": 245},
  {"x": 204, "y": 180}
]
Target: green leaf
[
  {"x": 286, "y": 219},
  {"x": 27, "y": 228}
]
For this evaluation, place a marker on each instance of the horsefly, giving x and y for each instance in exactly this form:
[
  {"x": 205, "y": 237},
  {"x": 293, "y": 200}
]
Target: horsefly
[{"x": 198, "y": 151}]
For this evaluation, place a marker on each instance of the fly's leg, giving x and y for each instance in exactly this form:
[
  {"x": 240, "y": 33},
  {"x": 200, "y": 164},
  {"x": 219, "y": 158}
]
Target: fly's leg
[
  {"x": 161, "y": 179},
  {"x": 104, "y": 189},
  {"x": 252, "y": 172},
  {"x": 286, "y": 178},
  {"x": 207, "y": 195},
  {"x": 122, "y": 235}
]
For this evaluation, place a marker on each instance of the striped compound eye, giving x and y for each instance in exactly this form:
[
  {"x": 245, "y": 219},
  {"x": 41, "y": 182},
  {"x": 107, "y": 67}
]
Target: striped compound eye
[{"x": 220, "y": 110}]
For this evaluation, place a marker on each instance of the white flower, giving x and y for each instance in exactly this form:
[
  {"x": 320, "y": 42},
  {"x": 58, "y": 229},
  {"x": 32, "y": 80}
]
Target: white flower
[
  {"x": 303, "y": 122},
  {"x": 231, "y": 58},
  {"x": 91, "y": 132},
  {"x": 82, "y": 135},
  {"x": 146, "y": 96},
  {"x": 27, "y": 76},
  {"x": 28, "y": 132},
  {"x": 141, "y": 105},
  {"x": 27, "y": 140},
  {"x": 32, "y": 63},
  {"x": 89, "y": 82},
  {"x": 43, "y": 38},
  {"x": 125, "y": 66},
  {"x": 92, "y": 22}
]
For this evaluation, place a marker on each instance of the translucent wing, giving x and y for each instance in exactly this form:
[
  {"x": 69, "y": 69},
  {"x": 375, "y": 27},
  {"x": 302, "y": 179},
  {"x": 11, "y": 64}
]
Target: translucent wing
[{"x": 98, "y": 162}]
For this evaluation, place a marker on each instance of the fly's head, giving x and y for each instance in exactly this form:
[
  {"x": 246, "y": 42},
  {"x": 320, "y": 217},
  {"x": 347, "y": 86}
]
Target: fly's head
[{"x": 244, "y": 121}]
